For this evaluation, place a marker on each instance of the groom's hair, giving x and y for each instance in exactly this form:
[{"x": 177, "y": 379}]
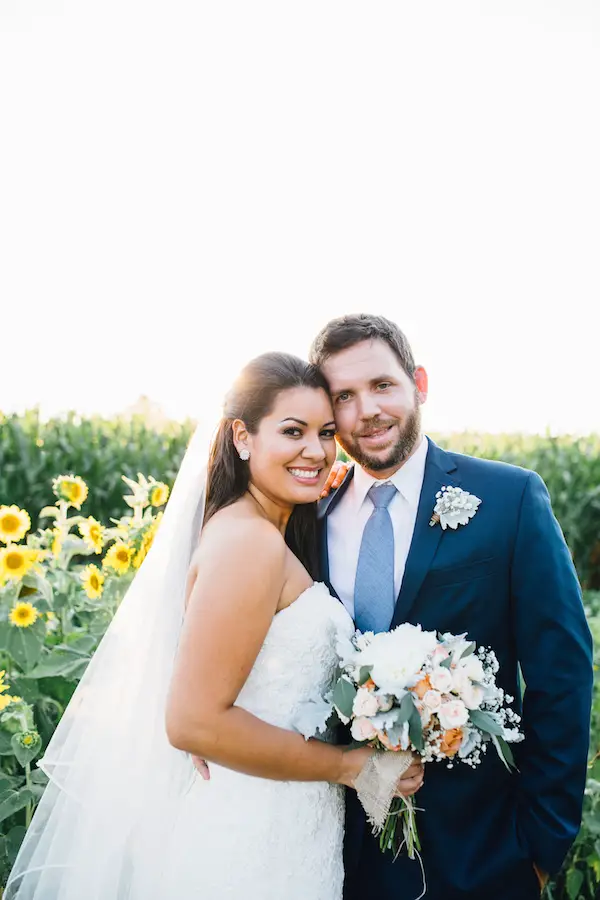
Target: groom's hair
[{"x": 347, "y": 331}]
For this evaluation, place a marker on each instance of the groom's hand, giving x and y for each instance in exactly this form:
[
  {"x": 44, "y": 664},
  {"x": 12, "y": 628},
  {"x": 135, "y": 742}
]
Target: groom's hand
[
  {"x": 411, "y": 781},
  {"x": 335, "y": 477},
  {"x": 202, "y": 767}
]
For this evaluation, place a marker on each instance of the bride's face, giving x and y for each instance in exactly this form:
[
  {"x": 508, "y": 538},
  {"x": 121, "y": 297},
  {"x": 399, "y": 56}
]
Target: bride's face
[{"x": 294, "y": 448}]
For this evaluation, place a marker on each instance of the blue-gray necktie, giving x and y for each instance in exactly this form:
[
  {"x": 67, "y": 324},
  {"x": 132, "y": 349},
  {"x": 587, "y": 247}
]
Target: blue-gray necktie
[{"x": 374, "y": 596}]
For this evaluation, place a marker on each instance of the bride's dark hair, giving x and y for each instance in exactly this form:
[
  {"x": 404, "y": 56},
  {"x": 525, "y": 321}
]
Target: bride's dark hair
[{"x": 251, "y": 398}]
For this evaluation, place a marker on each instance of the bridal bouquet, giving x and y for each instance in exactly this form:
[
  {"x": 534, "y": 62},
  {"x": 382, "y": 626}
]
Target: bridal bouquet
[{"x": 415, "y": 691}]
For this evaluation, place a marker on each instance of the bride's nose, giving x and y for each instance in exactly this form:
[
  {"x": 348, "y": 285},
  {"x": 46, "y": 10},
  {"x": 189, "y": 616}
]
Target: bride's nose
[{"x": 313, "y": 449}]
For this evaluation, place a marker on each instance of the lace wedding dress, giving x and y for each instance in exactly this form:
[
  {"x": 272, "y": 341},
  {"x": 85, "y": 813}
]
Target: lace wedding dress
[{"x": 240, "y": 836}]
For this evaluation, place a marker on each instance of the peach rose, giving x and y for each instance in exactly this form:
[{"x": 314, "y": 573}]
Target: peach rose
[
  {"x": 451, "y": 741},
  {"x": 362, "y": 729},
  {"x": 421, "y": 687},
  {"x": 384, "y": 739}
]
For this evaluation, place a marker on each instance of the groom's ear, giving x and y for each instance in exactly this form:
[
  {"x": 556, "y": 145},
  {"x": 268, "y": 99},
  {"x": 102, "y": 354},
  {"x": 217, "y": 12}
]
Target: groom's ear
[{"x": 422, "y": 383}]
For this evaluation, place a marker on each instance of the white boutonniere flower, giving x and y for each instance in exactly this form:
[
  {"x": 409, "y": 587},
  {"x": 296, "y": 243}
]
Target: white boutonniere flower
[{"x": 454, "y": 507}]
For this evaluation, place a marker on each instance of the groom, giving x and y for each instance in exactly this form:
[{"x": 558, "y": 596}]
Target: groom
[{"x": 506, "y": 578}]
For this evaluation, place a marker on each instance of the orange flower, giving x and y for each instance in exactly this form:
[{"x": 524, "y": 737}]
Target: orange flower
[
  {"x": 369, "y": 684},
  {"x": 421, "y": 687},
  {"x": 451, "y": 741},
  {"x": 384, "y": 739}
]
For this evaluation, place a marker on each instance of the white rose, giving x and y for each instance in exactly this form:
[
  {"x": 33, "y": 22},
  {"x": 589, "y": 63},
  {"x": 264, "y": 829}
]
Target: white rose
[
  {"x": 396, "y": 657},
  {"x": 365, "y": 703},
  {"x": 460, "y": 681},
  {"x": 474, "y": 668},
  {"x": 362, "y": 729},
  {"x": 453, "y": 714},
  {"x": 441, "y": 680},
  {"x": 432, "y": 700},
  {"x": 472, "y": 695}
]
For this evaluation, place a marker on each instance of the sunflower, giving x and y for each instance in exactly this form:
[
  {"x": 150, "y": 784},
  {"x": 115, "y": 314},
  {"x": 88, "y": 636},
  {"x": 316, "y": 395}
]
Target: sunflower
[
  {"x": 71, "y": 488},
  {"x": 14, "y": 524},
  {"x": 16, "y": 561},
  {"x": 92, "y": 579},
  {"x": 7, "y": 700},
  {"x": 147, "y": 541},
  {"x": 118, "y": 557},
  {"x": 23, "y": 615},
  {"x": 93, "y": 534},
  {"x": 159, "y": 494}
]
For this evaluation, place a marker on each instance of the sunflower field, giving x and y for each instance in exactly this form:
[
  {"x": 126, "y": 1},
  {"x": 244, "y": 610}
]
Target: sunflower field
[{"x": 59, "y": 589}]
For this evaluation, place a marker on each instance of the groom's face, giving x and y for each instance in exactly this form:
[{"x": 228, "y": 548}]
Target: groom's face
[{"x": 376, "y": 405}]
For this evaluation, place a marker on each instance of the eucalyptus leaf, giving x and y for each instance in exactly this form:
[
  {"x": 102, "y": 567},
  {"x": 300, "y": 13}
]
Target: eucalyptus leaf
[
  {"x": 343, "y": 697},
  {"x": 364, "y": 674},
  {"x": 415, "y": 730},
  {"x": 485, "y": 722}
]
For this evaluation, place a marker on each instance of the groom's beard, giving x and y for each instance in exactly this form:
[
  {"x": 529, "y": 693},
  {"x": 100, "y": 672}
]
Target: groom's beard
[{"x": 409, "y": 434}]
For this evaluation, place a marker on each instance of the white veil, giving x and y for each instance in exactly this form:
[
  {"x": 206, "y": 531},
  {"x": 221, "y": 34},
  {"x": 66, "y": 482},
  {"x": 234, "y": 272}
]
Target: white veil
[{"x": 102, "y": 826}]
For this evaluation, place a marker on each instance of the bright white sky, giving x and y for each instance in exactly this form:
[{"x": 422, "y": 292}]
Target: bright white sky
[{"x": 184, "y": 185}]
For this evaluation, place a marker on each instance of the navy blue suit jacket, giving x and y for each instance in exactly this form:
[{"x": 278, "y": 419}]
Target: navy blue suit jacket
[{"x": 507, "y": 579}]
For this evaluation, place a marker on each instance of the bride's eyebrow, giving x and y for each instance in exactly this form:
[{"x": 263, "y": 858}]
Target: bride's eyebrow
[{"x": 293, "y": 419}]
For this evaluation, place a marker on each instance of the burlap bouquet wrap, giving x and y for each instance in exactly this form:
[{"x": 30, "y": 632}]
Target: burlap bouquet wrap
[{"x": 376, "y": 784}]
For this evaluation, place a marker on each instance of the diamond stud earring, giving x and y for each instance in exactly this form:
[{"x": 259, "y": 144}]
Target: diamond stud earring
[{"x": 245, "y": 455}]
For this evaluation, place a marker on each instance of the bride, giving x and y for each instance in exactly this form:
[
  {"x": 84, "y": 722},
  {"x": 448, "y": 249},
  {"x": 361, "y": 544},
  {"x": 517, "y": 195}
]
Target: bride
[{"x": 221, "y": 649}]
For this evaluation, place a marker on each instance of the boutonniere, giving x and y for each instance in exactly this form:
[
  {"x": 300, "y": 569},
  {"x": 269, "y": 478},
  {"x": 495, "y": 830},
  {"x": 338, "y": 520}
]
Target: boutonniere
[{"x": 453, "y": 507}]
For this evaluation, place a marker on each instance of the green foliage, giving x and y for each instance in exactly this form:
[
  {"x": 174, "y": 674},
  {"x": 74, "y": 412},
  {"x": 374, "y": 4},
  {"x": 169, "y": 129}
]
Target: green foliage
[
  {"x": 53, "y": 613},
  {"x": 579, "y": 878},
  {"x": 32, "y": 453}
]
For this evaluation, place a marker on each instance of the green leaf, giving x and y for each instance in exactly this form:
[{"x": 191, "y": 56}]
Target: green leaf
[
  {"x": 469, "y": 650},
  {"x": 406, "y": 709},
  {"x": 25, "y": 754},
  {"x": 574, "y": 883},
  {"x": 446, "y": 663},
  {"x": 343, "y": 697},
  {"x": 364, "y": 674},
  {"x": 12, "y": 801},
  {"x": 82, "y": 643},
  {"x": 14, "y": 839},
  {"x": 507, "y": 752},
  {"x": 415, "y": 730},
  {"x": 485, "y": 722},
  {"x": 5, "y": 745},
  {"x": 62, "y": 661},
  {"x": 24, "y": 645},
  {"x": 49, "y": 512}
]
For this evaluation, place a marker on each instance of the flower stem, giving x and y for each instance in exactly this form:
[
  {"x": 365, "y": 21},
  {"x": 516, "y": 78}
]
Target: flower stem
[{"x": 29, "y": 807}]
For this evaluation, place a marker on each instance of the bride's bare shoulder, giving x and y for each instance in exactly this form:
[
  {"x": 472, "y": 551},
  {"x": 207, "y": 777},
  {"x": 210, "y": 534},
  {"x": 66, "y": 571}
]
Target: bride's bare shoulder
[{"x": 238, "y": 532}]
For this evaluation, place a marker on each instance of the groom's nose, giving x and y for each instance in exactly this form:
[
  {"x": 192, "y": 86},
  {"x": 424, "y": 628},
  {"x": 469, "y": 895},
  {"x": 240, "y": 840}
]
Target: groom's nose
[{"x": 368, "y": 405}]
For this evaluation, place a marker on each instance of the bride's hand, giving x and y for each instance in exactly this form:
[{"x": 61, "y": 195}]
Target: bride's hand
[
  {"x": 353, "y": 762},
  {"x": 335, "y": 477},
  {"x": 412, "y": 780}
]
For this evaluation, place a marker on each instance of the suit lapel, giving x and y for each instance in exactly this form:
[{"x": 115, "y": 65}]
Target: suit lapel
[
  {"x": 324, "y": 508},
  {"x": 425, "y": 540}
]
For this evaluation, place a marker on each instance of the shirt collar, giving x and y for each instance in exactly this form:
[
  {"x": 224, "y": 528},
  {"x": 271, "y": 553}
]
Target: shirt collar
[{"x": 408, "y": 479}]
